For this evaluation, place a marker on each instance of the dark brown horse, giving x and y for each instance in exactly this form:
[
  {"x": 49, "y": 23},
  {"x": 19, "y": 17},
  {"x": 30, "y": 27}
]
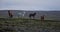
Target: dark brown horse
[
  {"x": 10, "y": 14},
  {"x": 32, "y": 15},
  {"x": 42, "y": 18}
]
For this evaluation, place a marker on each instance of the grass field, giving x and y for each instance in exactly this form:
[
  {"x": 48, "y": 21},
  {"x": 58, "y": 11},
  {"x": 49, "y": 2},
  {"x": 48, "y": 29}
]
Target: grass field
[{"x": 28, "y": 25}]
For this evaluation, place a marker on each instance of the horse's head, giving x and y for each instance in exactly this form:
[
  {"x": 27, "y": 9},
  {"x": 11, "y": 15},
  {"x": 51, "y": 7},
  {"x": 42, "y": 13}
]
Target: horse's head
[{"x": 8, "y": 11}]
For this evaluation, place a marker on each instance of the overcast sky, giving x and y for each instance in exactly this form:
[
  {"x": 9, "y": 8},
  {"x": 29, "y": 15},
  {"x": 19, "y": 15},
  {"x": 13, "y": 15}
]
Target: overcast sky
[{"x": 30, "y": 4}]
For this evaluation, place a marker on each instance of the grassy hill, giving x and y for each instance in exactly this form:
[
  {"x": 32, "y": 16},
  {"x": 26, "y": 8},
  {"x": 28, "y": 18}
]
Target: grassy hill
[{"x": 28, "y": 25}]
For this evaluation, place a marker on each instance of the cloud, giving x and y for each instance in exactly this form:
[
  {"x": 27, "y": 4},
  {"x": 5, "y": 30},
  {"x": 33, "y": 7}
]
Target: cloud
[{"x": 30, "y": 4}]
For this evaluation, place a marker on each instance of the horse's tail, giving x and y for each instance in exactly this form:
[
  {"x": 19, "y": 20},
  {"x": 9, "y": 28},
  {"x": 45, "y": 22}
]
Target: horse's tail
[{"x": 29, "y": 15}]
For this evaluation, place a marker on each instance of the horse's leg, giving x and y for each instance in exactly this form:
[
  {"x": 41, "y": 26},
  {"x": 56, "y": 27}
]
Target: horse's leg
[
  {"x": 11, "y": 16},
  {"x": 33, "y": 17},
  {"x": 30, "y": 17}
]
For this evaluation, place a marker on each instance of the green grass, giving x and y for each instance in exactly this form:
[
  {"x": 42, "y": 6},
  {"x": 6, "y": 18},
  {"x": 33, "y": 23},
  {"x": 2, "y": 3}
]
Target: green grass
[{"x": 22, "y": 22}]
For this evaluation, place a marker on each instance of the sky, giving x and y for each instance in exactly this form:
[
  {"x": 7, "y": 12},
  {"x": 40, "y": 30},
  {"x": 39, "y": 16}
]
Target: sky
[{"x": 29, "y": 4}]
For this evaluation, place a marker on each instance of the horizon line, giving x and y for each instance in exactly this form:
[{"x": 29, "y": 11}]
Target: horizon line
[{"x": 38, "y": 10}]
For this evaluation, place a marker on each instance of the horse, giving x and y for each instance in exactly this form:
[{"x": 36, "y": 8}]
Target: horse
[
  {"x": 32, "y": 15},
  {"x": 42, "y": 18},
  {"x": 10, "y": 14}
]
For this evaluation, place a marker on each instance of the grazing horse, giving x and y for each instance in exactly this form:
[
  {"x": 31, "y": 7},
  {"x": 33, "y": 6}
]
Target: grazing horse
[
  {"x": 10, "y": 14},
  {"x": 32, "y": 15}
]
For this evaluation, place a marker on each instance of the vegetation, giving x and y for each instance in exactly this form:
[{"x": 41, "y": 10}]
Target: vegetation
[{"x": 28, "y": 23}]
